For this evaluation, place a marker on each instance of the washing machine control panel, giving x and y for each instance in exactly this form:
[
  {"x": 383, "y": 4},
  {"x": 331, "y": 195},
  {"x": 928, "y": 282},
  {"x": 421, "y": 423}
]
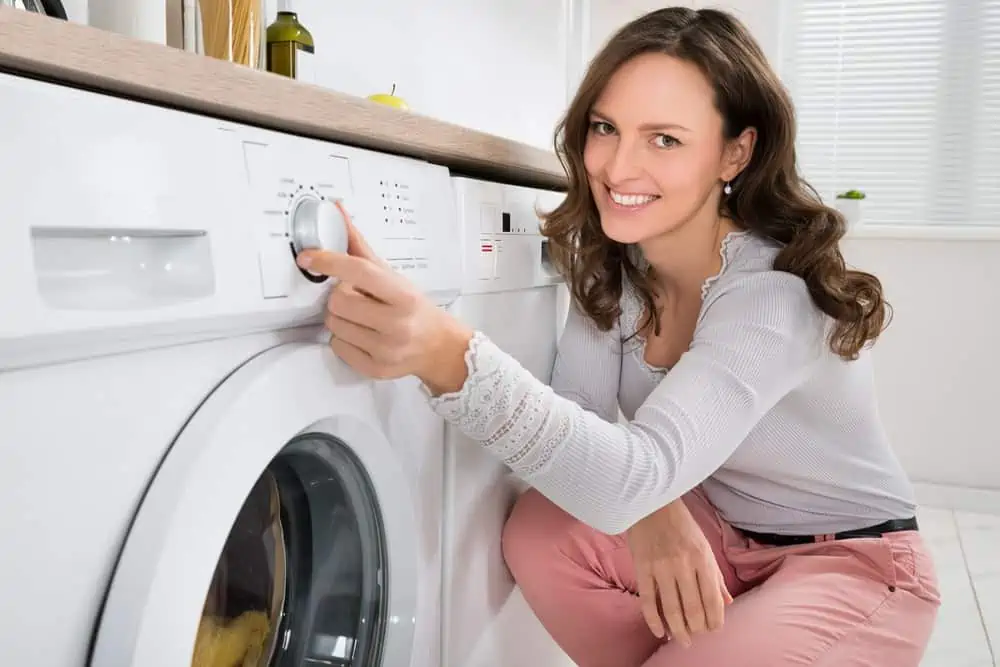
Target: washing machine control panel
[
  {"x": 304, "y": 192},
  {"x": 174, "y": 227}
]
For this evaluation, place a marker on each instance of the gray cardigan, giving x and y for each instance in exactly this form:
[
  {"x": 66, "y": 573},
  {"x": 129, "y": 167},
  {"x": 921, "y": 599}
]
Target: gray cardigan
[{"x": 783, "y": 435}]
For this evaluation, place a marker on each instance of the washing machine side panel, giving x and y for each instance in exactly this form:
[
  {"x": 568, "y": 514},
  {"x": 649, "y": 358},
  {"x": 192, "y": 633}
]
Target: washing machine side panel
[
  {"x": 80, "y": 443},
  {"x": 158, "y": 589},
  {"x": 418, "y": 434},
  {"x": 487, "y": 623}
]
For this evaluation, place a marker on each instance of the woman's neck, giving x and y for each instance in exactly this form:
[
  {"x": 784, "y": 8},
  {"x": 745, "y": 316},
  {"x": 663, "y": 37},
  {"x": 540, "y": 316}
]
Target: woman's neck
[{"x": 684, "y": 258}]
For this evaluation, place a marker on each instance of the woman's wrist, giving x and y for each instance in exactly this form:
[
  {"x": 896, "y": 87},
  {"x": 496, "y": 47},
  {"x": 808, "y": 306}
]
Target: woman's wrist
[
  {"x": 444, "y": 369},
  {"x": 674, "y": 514}
]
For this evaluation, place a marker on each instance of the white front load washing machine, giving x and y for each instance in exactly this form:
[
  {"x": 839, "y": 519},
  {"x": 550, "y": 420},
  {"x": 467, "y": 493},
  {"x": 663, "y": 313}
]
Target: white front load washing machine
[
  {"x": 513, "y": 294},
  {"x": 189, "y": 476}
]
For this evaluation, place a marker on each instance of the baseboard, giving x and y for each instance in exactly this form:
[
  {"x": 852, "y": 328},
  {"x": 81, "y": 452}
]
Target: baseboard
[{"x": 960, "y": 498}]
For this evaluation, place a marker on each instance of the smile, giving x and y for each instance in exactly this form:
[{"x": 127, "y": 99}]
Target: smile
[{"x": 631, "y": 201}]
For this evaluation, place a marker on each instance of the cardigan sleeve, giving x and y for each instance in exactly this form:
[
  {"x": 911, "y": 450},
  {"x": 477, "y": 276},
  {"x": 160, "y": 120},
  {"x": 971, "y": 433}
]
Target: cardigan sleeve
[{"x": 754, "y": 343}]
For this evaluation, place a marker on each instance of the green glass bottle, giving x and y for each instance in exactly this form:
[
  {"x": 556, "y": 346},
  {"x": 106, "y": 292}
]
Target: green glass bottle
[{"x": 290, "y": 47}]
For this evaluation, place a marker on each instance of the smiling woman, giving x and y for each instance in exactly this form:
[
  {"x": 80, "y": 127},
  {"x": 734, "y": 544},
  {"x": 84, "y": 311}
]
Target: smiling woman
[
  {"x": 751, "y": 509},
  {"x": 665, "y": 125}
]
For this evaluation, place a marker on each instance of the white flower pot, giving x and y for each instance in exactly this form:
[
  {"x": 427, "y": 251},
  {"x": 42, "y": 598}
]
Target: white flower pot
[{"x": 851, "y": 210}]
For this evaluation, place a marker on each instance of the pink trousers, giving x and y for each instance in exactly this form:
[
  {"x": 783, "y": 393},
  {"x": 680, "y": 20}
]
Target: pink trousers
[{"x": 832, "y": 603}]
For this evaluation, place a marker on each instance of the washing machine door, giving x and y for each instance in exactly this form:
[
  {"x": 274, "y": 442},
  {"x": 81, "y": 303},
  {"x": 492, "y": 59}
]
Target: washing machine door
[{"x": 279, "y": 531}]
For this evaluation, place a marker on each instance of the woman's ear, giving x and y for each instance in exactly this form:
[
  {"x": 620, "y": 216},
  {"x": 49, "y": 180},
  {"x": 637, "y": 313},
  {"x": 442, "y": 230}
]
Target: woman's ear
[{"x": 737, "y": 154}]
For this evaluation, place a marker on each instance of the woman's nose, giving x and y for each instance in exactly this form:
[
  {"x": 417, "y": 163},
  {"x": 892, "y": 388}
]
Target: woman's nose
[{"x": 623, "y": 162}]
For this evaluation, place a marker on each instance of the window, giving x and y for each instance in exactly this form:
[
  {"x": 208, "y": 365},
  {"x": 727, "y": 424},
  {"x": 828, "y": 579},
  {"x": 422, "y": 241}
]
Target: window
[{"x": 899, "y": 99}]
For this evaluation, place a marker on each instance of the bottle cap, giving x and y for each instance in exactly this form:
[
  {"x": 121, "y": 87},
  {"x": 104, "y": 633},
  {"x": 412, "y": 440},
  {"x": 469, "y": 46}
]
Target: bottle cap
[{"x": 286, "y": 6}]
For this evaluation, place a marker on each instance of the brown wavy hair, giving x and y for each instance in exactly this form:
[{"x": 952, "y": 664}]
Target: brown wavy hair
[{"x": 769, "y": 197}]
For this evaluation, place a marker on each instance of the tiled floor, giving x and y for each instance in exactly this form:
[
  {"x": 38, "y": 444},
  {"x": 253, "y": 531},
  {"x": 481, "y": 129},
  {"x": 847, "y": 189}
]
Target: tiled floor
[{"x": 965, "y": 547}]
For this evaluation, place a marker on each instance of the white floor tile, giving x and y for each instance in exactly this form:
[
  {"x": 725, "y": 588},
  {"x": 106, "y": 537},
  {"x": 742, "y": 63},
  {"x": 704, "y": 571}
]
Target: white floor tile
[
  {"x": 980, "y": 541},
  {"x": 980, "y": 536},
  {"x": 959, "y": 638}
]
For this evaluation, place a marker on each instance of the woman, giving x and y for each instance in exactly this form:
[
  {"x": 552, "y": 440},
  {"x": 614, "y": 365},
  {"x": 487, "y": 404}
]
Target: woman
[{"x": 713, "y": 306}]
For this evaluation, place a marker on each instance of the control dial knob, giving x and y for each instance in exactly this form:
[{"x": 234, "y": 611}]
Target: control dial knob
[{"x": 317, "y": 224}]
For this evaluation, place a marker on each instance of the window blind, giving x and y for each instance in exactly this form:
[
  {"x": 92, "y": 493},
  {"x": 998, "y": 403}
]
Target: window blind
[{"x": 901, "y": 100}]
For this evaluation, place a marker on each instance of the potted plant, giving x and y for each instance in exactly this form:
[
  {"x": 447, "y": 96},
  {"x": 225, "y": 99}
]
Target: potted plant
[{"x": 849, "y": 205}]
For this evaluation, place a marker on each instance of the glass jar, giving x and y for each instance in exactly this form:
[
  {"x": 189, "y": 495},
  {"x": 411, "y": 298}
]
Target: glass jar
[{"x": 233, "y": 30}]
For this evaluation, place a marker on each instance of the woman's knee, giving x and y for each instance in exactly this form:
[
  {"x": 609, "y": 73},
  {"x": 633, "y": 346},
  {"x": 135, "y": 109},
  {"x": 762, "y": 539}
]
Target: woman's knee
[{"x": 531, "y": 531}]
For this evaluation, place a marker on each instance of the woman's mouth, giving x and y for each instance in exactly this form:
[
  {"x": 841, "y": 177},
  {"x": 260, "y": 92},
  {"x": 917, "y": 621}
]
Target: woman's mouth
[{"x": 630, "y": 201}]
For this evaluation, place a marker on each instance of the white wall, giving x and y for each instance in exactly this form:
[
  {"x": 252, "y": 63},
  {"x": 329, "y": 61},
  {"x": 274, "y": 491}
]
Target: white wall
[
  {"x": 937, "y": 364},
  {"x": 76, "y": 10},
  {"x": 493, "y": 65}
]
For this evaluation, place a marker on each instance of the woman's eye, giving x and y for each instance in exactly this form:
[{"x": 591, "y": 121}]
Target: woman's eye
[
  {"x": 601, "y": 127},
  {"x": 665, "y": 141}
]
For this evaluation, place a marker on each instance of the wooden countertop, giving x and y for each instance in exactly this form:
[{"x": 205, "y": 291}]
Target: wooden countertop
[{"x": 82, "y": 56}]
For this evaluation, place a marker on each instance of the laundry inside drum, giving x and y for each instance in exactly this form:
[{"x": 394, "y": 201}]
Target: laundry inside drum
[
  {"x": 244, "y": 604},
  {"x": 301, "y": 579}
]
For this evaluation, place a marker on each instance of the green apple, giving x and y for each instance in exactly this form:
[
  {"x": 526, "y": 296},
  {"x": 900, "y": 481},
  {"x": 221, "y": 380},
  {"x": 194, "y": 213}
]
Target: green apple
[{"x": 389, "y": 100}]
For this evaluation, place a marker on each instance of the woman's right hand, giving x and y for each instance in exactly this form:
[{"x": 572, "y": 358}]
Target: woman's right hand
[{"x": 675, "y": 564}]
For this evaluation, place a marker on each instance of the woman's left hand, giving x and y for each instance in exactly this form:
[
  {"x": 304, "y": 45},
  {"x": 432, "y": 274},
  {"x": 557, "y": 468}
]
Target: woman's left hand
[{"x": 382, "y": 325}]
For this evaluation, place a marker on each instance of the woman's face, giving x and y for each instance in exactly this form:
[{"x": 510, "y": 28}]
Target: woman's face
[{"x": 655, "y": 153}]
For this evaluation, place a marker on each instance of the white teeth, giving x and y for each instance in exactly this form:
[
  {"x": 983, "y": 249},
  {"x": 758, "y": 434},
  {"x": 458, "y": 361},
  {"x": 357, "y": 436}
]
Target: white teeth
[{"x": 631, "y": 200}]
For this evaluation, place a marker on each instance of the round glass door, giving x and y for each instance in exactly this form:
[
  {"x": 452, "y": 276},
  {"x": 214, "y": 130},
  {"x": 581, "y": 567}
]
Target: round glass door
[
  {"x": 300, "y": 578},
  {"x": 278, "y": 531}
]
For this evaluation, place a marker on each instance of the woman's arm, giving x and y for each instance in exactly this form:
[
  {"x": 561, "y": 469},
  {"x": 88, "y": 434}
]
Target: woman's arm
[
  {"x": 755, "y": 342},
  {"x": 588, "y": 365}
]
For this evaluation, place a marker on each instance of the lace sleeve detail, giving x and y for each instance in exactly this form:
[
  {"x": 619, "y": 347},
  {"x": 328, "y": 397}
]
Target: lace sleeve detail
[{"x": 506, "y": 409}]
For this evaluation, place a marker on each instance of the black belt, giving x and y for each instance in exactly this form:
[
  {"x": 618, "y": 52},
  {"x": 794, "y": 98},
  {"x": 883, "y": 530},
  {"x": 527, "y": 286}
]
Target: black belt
[{"x": 890, "y": 526}]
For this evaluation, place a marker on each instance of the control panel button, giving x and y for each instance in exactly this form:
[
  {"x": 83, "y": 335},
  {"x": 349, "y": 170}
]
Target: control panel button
[{"x": 317, "y": 224}]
